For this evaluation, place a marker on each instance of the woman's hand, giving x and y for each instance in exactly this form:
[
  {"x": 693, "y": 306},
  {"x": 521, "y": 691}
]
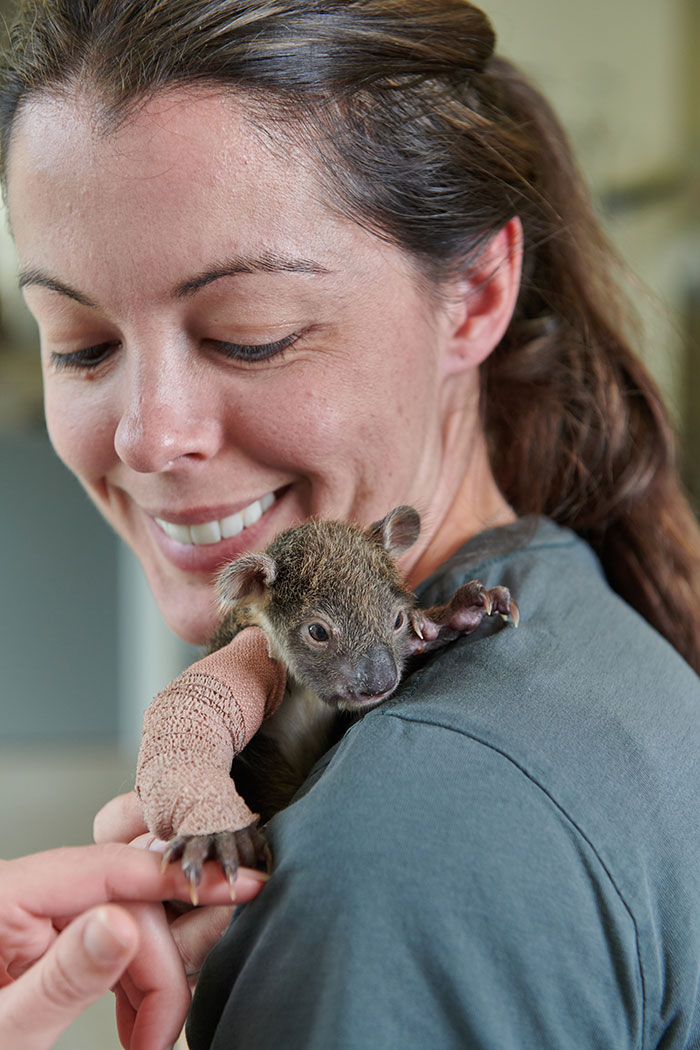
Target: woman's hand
[
  {"x": 194, "y": 932},
  {"x": 64, "y": 942}
]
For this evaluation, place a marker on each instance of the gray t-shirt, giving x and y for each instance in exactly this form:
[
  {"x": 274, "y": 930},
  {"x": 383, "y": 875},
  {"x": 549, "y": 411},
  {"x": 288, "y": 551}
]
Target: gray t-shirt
[{"x": 504, "y": 855}]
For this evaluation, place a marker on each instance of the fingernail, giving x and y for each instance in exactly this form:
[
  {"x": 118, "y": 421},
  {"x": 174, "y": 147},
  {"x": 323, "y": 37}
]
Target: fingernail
[
  {"x": 100, "y": 940},
  {"x": 157, "y": 845}
]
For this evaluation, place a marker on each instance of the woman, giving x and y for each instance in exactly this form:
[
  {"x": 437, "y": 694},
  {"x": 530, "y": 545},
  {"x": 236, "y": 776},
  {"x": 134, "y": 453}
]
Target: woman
[{"x": 304, "y": 258}]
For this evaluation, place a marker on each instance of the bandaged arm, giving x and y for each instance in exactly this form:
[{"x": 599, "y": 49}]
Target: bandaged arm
[{"x": 194, "y": 728}]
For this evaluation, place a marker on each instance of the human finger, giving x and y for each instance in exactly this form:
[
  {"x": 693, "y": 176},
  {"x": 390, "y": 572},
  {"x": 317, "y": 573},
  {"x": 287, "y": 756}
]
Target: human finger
[
  {"x": 153, "y": 995},
  {"x": 119, "y": 820},
  {"x": 83, "y": 963},
  {"x": 196, "y": 932},
  {"x": 62, "y": 882}
]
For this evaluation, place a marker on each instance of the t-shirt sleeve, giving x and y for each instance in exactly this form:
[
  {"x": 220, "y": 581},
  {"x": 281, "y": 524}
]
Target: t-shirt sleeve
[{"x": 427, "y": 893}]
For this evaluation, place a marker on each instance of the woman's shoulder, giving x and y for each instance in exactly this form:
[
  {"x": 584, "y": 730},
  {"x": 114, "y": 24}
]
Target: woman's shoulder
[
  {"x": 582, "y": 684},
  {"x": 577, "y": 642}
]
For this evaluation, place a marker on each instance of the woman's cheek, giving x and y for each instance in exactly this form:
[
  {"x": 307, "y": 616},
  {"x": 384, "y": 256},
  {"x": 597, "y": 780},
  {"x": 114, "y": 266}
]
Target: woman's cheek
[
  {"x": 81, "y": 431},
  {"x": 299, "y": 422}
]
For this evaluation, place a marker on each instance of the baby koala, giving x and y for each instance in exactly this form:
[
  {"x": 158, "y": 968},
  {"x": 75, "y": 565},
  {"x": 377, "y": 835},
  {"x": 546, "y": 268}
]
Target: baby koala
[{"x": 317, "y": 630}]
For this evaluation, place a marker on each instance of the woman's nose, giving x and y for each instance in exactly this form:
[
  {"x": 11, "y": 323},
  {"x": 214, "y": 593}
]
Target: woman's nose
[{"x": 165, "y": 420}]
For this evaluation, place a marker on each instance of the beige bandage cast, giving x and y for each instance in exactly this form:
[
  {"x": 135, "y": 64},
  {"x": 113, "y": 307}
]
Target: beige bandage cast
[{"x": 193, "y": 729}]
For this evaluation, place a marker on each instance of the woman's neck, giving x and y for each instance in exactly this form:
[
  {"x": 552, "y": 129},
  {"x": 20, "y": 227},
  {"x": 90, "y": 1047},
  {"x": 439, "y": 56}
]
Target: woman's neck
[{"x": 477, "y": 504}]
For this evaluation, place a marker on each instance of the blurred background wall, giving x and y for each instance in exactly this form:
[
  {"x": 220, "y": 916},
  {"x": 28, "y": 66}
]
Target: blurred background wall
[{"x": 82, "y": 648}]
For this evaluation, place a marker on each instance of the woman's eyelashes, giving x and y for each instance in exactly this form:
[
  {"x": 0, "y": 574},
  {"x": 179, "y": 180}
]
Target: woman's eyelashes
[
  {"x": 253, "y": 352},
  {"x": 84, "y": 359},
  {"x": 91, "y": 357}
]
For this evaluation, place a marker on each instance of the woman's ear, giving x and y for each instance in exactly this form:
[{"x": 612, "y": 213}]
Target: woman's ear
[{"x": 483, "y": 300}]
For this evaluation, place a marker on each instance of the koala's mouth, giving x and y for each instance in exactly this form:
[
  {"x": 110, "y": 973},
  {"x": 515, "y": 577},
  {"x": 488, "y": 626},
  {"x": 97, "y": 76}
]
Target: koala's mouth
[{"x": 361, "y": 702}]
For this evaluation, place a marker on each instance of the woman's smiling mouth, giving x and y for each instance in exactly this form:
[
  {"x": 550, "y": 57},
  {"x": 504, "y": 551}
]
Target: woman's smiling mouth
[
  {"x": 200, "y": 543},
  {"x": 209, "y": 532}
]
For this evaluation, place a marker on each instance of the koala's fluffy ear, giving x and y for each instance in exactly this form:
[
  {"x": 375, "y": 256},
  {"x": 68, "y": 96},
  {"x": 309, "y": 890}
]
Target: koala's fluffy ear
[
  {"x": 397, "y": 531},
  {"x": 245, "y": 578}
]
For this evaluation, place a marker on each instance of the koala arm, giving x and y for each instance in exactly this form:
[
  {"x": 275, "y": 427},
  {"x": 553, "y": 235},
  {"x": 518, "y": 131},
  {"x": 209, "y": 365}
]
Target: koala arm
[
  {"x": 193, "y": 729},
  {"x": 432, "y": 628}
]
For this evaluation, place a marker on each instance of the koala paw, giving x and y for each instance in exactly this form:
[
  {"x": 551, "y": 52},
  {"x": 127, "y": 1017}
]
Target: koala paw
[{"x": 246, "y": 847}]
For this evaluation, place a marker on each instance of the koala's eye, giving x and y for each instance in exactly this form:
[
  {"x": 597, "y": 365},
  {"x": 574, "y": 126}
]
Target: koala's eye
[
  {"x": 318, "y": 632},
  {"x": 399, "y": 622}
]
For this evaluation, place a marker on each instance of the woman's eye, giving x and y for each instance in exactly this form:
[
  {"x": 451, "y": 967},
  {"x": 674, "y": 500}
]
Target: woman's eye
[
  {"x": 253, "y": 352},
  {"x": 86, "y": 358}
]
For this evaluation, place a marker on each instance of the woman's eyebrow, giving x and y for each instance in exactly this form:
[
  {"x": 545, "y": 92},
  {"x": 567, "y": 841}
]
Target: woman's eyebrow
[
  {"x": 266, "y": 262},
  {"x": 45, "y": 280}
]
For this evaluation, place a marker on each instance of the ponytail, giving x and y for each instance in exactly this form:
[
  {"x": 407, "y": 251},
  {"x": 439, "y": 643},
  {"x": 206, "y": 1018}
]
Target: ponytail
[{"x": 577, "y": 427}]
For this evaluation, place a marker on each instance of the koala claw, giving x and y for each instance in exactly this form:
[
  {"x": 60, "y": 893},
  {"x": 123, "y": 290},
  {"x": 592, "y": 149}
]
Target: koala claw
[
  {"x": 501, "y": 602},
  {"x": 246, "y": 847}
]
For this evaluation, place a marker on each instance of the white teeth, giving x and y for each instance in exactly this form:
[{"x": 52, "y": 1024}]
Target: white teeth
[
  {"x": 213, "y": 531},
  {"x": 208, "y": 532},
  {"x": 232, "y": 525},
  {"x": 181, "y": 533},
  {"x": 252, "y": 514}
]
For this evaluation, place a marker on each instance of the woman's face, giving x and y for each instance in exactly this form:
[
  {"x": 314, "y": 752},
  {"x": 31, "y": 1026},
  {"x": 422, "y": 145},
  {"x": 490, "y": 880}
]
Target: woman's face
[{"x": 223, "y": 356}]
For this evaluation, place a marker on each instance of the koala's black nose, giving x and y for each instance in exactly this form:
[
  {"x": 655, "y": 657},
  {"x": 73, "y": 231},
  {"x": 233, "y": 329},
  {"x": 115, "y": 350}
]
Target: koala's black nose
[{"x": 377, "y": 673}]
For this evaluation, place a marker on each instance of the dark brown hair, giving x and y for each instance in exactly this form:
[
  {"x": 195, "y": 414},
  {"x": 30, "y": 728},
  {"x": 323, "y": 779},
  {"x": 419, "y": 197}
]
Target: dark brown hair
[{"x": 425, "y": 137}]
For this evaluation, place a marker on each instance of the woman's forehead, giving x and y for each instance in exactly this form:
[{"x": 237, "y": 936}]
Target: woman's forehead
[
  {"x": 184, "y": 186},
  {"x": 186, "y": 163}
]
